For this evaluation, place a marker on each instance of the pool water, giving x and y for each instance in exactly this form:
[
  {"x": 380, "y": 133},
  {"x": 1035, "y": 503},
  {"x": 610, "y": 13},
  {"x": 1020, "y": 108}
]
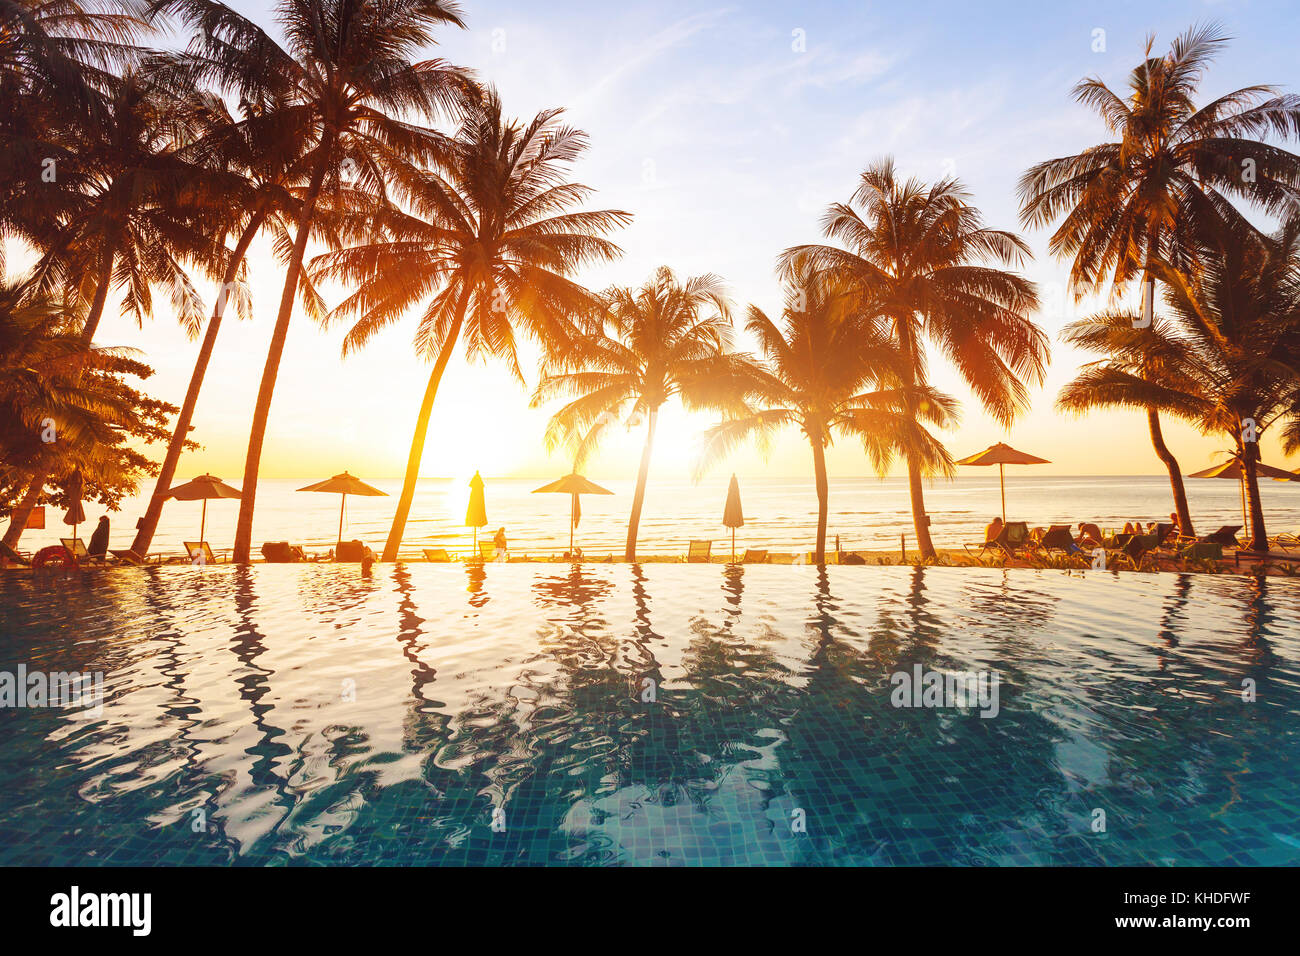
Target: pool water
[{"x": 658, "y": 715}]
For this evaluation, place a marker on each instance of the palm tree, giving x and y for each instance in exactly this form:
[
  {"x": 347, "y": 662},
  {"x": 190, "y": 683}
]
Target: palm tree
[
  {"x": 242, "y": 185},
  {"x": 818, "y": 363},
  {"x": 922, "y": 259},
  {"x": 1127, "y": 202},
  {"x": 1240, "y": 309},
  {"x": 668, "y": 338},
  {"x": 491, "y": 244},
  {"x": 1150, "y": 368},
  {"x": 345, "y": 85}
]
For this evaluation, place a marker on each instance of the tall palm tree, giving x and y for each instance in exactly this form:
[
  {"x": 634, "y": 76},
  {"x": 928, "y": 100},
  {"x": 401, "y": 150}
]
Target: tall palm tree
[
  {"x": 670, "y": 338},
  {"x": 818, "y": 365},
  {"x": 1150, "y": 368},
  {"x": 345, "y": 84},
  {"x": 1240, "y": 309},
  {"x": 1127, "y": 202},
  {"x": 491, "y": 243},
  {"x": 922, "y": 258},
  {"x": 243, "y": 185}
]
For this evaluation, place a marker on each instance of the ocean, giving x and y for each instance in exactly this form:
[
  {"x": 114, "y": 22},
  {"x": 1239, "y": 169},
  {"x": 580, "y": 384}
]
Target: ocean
[{"x": 780, "y": 513}]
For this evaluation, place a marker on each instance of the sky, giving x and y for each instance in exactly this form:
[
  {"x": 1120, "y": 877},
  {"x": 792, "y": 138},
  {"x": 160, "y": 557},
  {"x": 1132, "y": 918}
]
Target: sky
[{"x": 726, "y": 130}]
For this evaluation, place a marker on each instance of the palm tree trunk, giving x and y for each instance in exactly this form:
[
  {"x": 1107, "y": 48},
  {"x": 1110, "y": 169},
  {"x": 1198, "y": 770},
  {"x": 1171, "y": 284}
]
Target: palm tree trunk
[
  {"x": 634, "y": 523},
  {"x": 149, "y": 523},
  {"x": 262, "y": 411},
  {"x": 1258, "y": 535},
  {"x": 398, "y": 528},
  {"x": 1175, "y": 473},
  {"x": 920, "y": 520},
  {"x": 18, "y": 517},
  {"x": 823, "y": 497}
]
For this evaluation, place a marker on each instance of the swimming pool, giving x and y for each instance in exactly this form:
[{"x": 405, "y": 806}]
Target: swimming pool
[{"x": 661, "y": 715}]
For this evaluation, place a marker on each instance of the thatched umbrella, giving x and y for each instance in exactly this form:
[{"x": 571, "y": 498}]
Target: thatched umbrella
[
  {"x": 201, "y": 489},
  {"x": 574, "y": 485},
  {"x": 345, "y": 485}
]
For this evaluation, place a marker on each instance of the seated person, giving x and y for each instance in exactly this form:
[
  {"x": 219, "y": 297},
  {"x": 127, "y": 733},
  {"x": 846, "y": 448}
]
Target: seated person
[
  {"x": 1089, "y": 535},
  {"x": 993, "y": 530}
]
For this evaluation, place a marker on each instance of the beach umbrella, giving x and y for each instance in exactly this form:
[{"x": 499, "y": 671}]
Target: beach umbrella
[
  {"x": 476, "y": 513},
  {"x": 732, "y": 515},
  {"x": 75, "y": 513},
  {"x": 201, "y": 489},
  {"x": 1002, "y": 455},
  {"x": 1232, "y": 469},
  {"x": 574, "y": 485},
  {"x": 345, "y": 485}
]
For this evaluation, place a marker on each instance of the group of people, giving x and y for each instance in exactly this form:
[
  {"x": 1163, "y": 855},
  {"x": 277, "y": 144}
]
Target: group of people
[{"x": 1089, "y": 535}]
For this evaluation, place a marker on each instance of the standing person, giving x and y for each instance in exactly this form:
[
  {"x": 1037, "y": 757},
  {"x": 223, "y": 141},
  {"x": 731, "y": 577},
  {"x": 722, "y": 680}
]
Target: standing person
[
  {"x": 99, "y": 540},
  {"x": 499, "y": 539}
]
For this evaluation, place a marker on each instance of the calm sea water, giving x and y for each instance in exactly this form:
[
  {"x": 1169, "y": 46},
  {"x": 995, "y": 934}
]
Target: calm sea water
[
  {"x": 312, "y": 714},
  {"x": 781, "y": 514}
]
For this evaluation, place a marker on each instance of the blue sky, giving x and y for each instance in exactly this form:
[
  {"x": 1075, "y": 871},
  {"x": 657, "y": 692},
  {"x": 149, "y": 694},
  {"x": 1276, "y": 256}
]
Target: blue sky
[{"x": 726, "y": 130}]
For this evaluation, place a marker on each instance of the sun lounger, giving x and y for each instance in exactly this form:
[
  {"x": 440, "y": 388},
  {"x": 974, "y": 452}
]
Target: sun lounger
[
  {"x": 76, "y": 547},
  {"x": 351, "y": 551},
  {"x": 9, "y": 554},
  {"x": 1132, "y": 549},
  {"x": 699, "y": 551},
  {"x": 753, "y": 556},
  {"x": 1058, "y": 538},
  {"x": 1202, "y": 551},
  {"x": 127, "y": 556},
  {"x": 282, "y": 552},
  {"x": 1226, "y": 536},
  {"x": 199, "y": 552},
  {"x": 437, "y": 555},
  {"x": 487, "y": 551}
]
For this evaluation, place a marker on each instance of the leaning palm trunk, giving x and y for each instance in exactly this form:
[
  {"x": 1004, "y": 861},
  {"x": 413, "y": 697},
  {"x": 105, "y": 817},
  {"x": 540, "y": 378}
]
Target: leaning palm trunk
[
  {"x": 262, "y": 411},
  {"x": 149, "y": 523},
  {"x": 823, "y": 497},
  {"x": 18, "y": 517},
  {"x": 920, "y": 520},
  {"x": 634, "y": 523},
  {"x": 1175, "y": 473},
  {"x": 1258, "y": 535},
  {"x": 398, "y": 528}
]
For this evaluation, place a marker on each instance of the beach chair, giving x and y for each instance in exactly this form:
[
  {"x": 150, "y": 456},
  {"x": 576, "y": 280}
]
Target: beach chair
[
  {"x": 754, "y": 556},
  {"x": 282, "y": 552},
  {"x": 199, "y": 552},
  {"x": 76, "y": 547},
  {"x": 1132, "y": 549},
  {"x": 1014, "y": 534},
  {"x": 1058, "y": 538},
  {"x": 487, "y": 551},
  {"x": 9, "y": 554},
  {"x": 437, "y": 555},
  {"x": 351, "y": 552},
  {"x": 1225, "y": 536},
  {"x": 1202, "y": 551},
  {"x": 699, "y": 551},
  {"x": 127, "y": 556}
]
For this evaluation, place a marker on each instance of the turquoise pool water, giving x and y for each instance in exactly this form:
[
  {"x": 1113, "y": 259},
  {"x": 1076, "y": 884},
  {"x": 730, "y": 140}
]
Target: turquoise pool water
[{"x": 502, "y": 715}]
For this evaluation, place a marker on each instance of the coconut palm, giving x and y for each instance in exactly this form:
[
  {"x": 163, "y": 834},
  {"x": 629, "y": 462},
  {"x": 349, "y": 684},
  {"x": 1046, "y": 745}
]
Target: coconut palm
[
  {"x": 344, "y": 83},
  {"x": 243, "y": 184},
  {"x": 1240, "y": 309},
  {"x": 1127, "y": 202},
  {"x": 670, "y": 338},
  {"x": 488, "y": 249},
  {"x": 922, "y": 259},
  {"x": 826, "y": 370},
  {"x": 1123, "y": 200},
  {"x": 1149, "y": 368}
]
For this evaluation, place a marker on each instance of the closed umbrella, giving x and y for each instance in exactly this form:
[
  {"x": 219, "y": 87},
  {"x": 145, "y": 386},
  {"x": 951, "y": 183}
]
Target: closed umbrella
[
  {"x": 574, "y": 485},
  {"x": 1232, "y": 469},
  {"x": 201, "y": 489},
  {"x": 732, "y": 515},
  {"x": 75, "y": 513},
  {"x": 345, "y": 485},
  {"x": 476, "y": 513},
  {"x": 1002, "y": 455}
]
